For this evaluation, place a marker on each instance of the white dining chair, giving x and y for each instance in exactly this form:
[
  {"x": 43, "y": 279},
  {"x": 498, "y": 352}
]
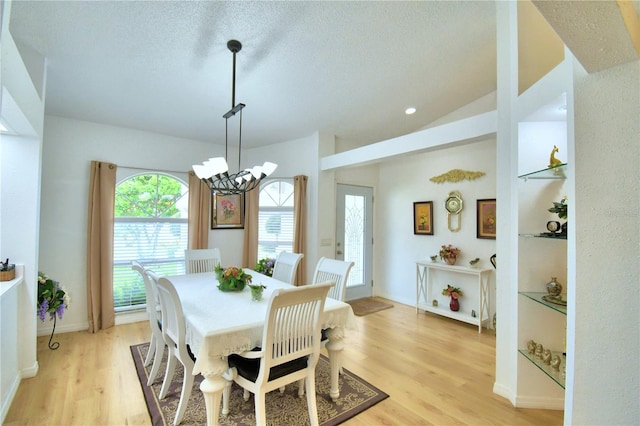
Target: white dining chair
[
  {"x": 290, "y": 348},
  {"x": 174, "y": 333},
  {"x": 156, "y": 346},
  {"x": 201, "y": 260},
  {"x": 286, "y": 266},
  {"x": 333, "y": 270}
]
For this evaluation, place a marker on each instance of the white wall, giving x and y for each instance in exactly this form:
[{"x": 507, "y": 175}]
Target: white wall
[
  {"x": 69, "y": 147},
  {"x": 400, "y": 184},
  {"x": 297, "y": 157},
  {"x": 23, "y": 110},
  {"x": 607, "y": 204}
]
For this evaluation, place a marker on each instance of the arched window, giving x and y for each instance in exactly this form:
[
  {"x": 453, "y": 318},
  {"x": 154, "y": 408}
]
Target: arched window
[
  {"x": 150, "y": 227},
  {"x": 275, "y": 218}
]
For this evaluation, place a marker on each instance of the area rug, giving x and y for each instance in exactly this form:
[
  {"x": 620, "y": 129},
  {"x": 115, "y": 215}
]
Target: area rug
[
  {"x": 356, "y": 395},
  {"x": 368, "y": 305}
]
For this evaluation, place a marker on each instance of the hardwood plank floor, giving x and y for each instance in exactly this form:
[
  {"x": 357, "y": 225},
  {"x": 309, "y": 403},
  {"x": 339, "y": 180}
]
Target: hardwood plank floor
[{"x": 437, "y": 371}]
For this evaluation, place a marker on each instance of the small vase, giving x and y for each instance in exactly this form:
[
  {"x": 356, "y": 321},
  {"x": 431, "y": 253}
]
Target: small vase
[
  {"x": 450, "y": 260},
  {"x": 256, "y": 293},
  {"x": 454, "y": 305},
  {"x": 554, "y": 288}
]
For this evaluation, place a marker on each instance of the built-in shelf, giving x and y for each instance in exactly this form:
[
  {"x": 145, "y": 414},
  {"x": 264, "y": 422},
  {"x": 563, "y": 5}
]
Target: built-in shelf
[
  {"x": 538, "y": 297},
  {"x": 543, "y": 235},
  {"x": 555, "y": 375},
  {"x": 557, "y": 172}
]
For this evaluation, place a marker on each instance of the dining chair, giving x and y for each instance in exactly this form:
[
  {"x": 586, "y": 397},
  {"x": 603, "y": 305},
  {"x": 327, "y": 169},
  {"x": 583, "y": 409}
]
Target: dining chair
[
  {"x": 201, "y": 260},
  {"x": 333, "y": 270},
  {"x": 174, "y": 333},
  {"x": 290, "y": 348},
  {"x": 156, "y": 346},
  {"x": 286, "y": 266}
]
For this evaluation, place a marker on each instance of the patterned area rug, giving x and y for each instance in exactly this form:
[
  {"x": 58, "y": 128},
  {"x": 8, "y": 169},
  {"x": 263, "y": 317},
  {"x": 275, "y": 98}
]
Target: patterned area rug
[
  {"x": 368, "y": 305},
  {"x": 356, "y": 395}
]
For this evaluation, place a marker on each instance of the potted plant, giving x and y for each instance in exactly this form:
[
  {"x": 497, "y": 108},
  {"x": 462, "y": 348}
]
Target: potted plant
[
  {"x": 52, "y": 300},
  {"x": 454, "y": 293},
  {"x": 560, "y": 208},
  {"x": 232, "y": 278},
  {"x": 7, "y": 271},
  {"x": 265, "y": 266},
  {"x": 449, "y": 254}
]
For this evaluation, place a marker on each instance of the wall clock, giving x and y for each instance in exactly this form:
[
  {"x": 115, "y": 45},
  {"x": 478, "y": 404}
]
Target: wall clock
[{"x": 453, "y": 204}]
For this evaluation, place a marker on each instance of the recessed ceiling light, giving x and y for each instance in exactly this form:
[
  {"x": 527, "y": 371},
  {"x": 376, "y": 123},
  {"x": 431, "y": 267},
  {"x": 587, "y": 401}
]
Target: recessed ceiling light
[{"x": 409, "y": 110}]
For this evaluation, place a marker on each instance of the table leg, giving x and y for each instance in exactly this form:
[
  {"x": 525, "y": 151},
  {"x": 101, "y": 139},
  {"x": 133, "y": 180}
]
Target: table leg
[
  {"x": 212, "y": 388},
  {"x": 335, "y": 347}
]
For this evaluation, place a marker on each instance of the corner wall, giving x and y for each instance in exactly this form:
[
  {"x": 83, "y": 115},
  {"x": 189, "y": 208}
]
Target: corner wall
[{"x": 606, "y": 383}]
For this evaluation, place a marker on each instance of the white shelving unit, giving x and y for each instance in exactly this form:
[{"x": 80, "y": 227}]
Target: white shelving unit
[
  {"x": 551, "y": 309},
  {"x": 427, "y": 288}
]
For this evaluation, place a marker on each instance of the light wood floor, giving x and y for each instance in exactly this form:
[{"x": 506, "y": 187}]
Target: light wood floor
[{"x": 437, "y": 371}]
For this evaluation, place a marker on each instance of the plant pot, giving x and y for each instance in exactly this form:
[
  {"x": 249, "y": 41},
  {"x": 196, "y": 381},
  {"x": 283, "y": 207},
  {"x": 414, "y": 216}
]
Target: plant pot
[
  {"x": 454, "y": 305},
  {"x": 450, "y": 260}
]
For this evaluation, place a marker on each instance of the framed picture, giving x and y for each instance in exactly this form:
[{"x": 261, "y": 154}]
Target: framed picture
[
  {"x": 423, "y": 218},
  {"x": 227, "y": 211},
  {"x": 486, "y": 223}
]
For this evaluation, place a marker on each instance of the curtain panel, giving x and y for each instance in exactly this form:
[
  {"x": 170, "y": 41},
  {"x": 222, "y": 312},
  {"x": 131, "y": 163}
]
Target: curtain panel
[
  {"x": 300, "y": 224},
  {"x": 102, "y": 192},
  {"x": 198, "y": 216},
  {"x": 250, "y": 245}
]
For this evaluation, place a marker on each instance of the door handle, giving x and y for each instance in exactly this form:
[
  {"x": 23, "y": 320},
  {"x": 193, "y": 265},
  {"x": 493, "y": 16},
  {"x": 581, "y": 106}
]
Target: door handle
[{"x": 338, "y": 252}]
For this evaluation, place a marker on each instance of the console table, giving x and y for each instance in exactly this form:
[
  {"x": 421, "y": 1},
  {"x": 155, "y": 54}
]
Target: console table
[{"x": 430, "y": 290}]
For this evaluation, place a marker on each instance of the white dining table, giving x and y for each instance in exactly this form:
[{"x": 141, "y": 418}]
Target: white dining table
[{"x": 222, "y": 323}]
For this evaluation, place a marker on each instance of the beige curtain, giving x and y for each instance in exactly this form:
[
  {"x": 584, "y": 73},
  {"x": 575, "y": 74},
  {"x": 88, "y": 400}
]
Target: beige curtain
[
  {"x": 250, "y": 246},
  {"x": 300, "y": 224},
  {"x": 199, "y": 209},
  {"x": 102, "y": 193}
]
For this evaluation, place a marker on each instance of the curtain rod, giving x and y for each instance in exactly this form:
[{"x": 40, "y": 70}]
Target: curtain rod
[{"x": 153, "y": 170}]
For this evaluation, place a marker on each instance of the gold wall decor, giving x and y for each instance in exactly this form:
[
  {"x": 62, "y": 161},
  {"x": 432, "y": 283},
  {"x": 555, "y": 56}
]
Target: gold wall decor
[{"x": 456, "y": 175}]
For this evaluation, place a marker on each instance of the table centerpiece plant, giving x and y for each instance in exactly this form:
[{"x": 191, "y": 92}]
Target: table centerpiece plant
[
  {"x": 232, "y": 278},
  {"x": 265, "y": 266}
]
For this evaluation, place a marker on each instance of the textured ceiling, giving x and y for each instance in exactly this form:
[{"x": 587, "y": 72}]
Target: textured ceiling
[{"x": 346, "y": 68}]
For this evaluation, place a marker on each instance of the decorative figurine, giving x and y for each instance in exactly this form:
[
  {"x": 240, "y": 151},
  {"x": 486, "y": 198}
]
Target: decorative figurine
[
  {"x": 531, "y": 346},
  {"x": 555, "y": 362},
  {"x": 554, "y": 288},
  {"x": 553, "y": 161},
  {"x": 435, "y": 303},
  {"x": 434, "y": 258},
  {"x": 546, "y": 356},
  {"x": 538, "y": 351},
  {"x": 473, "y": 263}
]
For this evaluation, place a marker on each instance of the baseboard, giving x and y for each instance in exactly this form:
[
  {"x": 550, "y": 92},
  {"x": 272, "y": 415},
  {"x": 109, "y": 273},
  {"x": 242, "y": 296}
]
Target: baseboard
[
  {"x": 66, "y": 328},
  {"x": 25, "y": 373},
  {"x": 504, "y": 392},
  {"x": 8, "y": 397},
  {"x": 541, "y": 403}
]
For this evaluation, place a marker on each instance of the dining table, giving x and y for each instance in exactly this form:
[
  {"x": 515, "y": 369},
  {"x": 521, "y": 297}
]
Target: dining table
[{"x": 220, "y": 323}]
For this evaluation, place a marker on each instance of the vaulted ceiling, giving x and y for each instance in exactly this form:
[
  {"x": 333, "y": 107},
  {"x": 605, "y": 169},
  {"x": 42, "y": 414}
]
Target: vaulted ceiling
[{"x": 346, "y": 68}]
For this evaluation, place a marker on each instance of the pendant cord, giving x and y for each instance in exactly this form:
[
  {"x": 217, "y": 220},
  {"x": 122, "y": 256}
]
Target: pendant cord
[{"x": 240, "y": 141}]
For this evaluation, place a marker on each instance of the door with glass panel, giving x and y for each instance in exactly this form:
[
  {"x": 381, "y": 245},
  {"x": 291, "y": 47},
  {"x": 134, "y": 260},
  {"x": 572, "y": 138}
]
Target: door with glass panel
[{"x": 354, "y": 237}]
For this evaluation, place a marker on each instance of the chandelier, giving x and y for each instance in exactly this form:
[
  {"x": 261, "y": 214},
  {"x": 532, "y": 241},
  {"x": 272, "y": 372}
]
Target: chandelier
[{"x": 215, "y": 171}]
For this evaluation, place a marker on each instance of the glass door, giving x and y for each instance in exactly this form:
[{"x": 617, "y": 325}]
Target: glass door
[{"x": 354, "y": 237}]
